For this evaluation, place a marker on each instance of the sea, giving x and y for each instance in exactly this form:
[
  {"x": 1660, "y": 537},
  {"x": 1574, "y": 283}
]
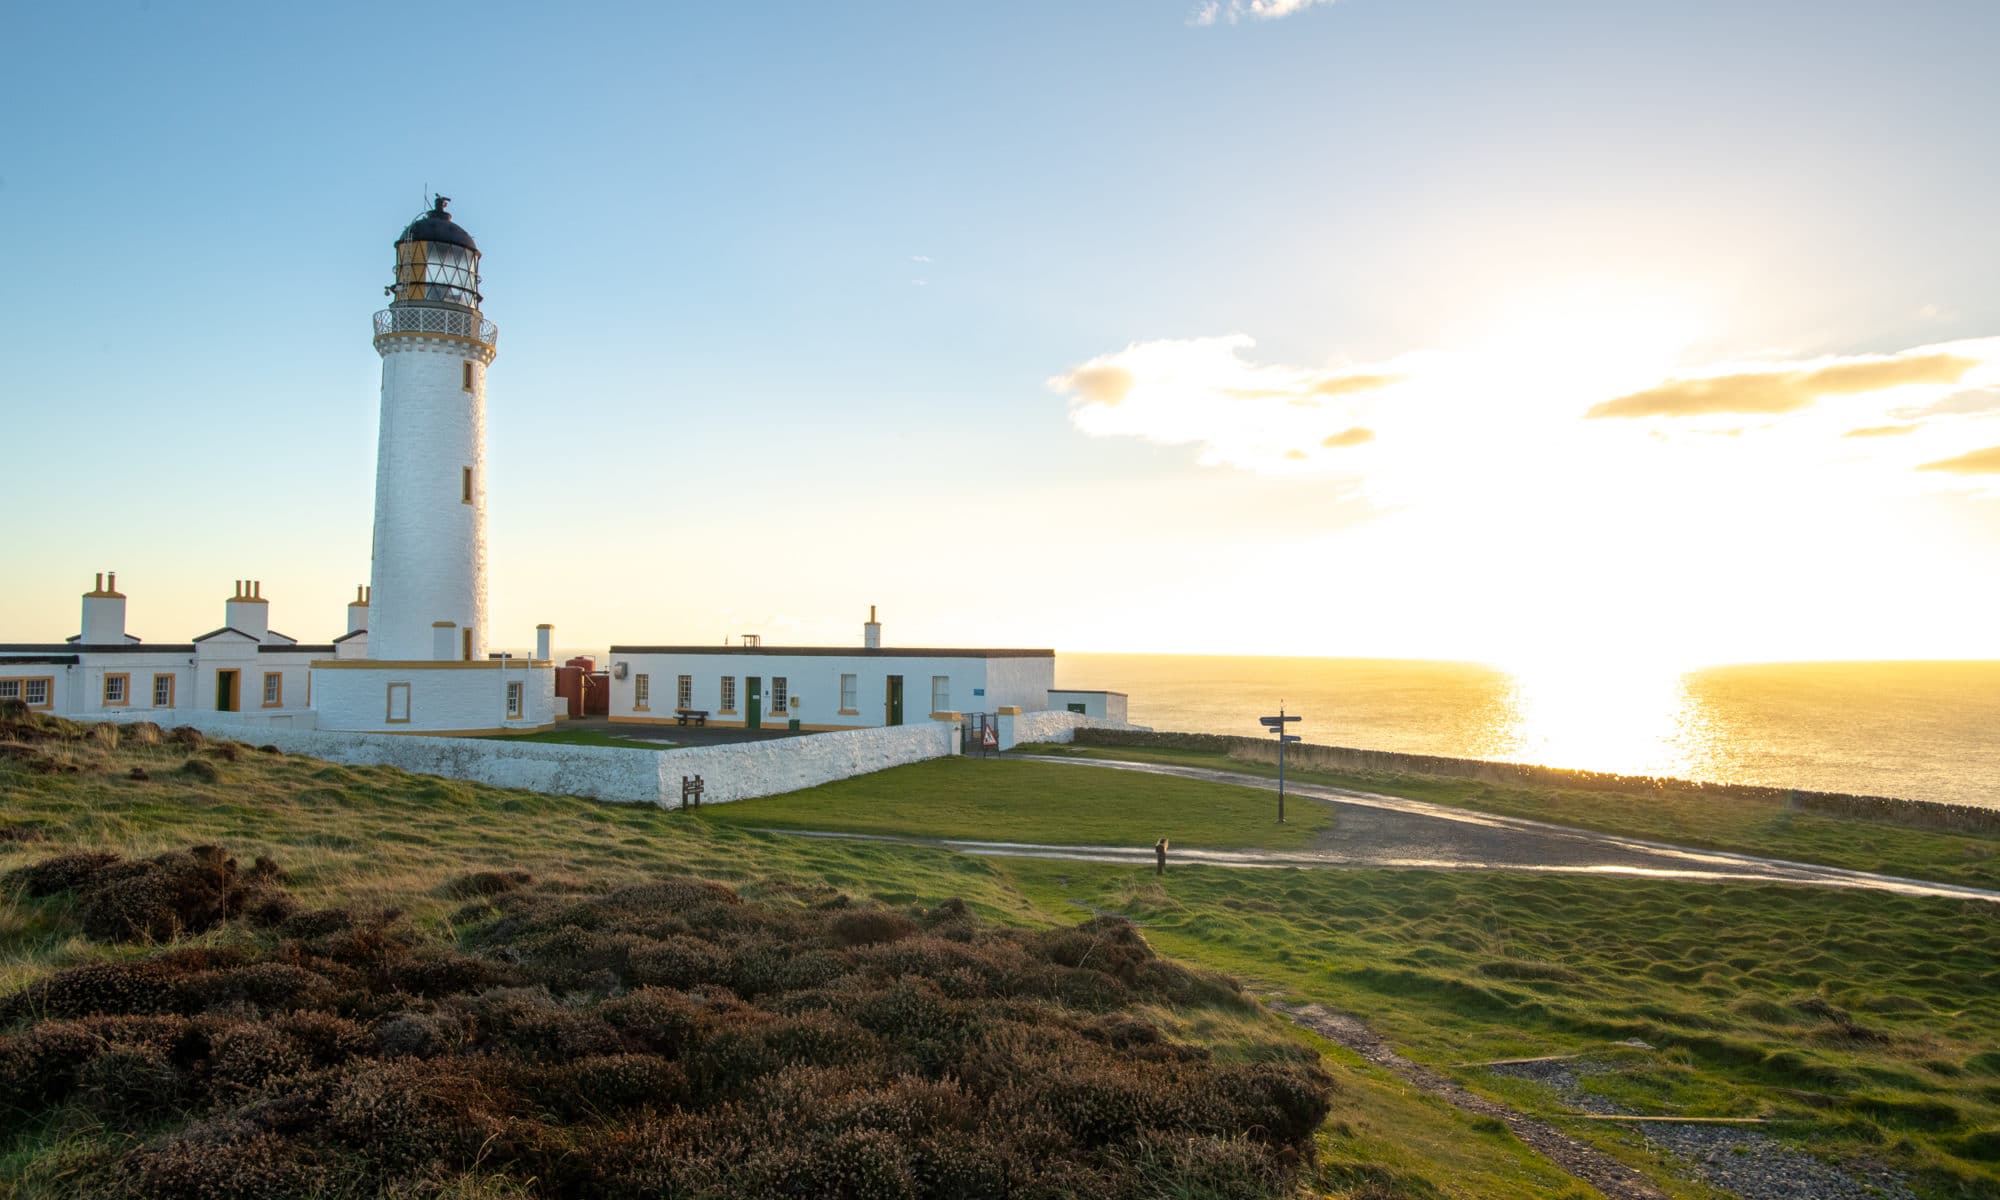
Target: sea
[{"x": 1917, "y": 730}]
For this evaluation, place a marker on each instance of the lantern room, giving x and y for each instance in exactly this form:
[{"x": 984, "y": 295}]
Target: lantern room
[{"x": 437, "y": 262}]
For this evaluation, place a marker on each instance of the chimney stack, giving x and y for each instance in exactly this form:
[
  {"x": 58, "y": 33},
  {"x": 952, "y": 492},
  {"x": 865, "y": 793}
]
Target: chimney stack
[
  {"x": 357, "y": 610},
  {"x": 103, "y": 614},
  {"x": 871, "y": 633},
  {"x": 544, "y": 636},
  {"x": 246, "y": 611}
]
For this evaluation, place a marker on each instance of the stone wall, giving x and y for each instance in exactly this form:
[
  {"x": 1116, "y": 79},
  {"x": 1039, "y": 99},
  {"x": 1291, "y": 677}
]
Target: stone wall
[
  {"x": 1922, "y": 814},
  {"x": 742, "y": 770}
]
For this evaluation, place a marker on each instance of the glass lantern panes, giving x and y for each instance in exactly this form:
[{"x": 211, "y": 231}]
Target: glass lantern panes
[{"x": 438, "y": 272}]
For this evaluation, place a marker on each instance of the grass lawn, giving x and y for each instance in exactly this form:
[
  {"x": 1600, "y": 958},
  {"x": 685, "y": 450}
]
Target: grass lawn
[
  {"x": 580, "y": 737},
  {"x": 1685, "y": 816},
  {"x": 1006, "y": 801}
]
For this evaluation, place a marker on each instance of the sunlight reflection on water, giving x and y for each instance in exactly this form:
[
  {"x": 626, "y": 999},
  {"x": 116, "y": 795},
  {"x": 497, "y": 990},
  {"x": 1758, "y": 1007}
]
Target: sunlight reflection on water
[{"x": 1928, "y": 731}]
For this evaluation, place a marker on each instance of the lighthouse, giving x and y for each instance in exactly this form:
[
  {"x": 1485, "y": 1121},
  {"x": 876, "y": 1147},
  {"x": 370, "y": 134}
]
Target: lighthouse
[
  {"x": 428, "y": 575},
  {"x": 426, "y": 667}
]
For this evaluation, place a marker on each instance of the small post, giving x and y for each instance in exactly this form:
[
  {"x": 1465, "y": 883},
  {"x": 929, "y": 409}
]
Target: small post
[
  {"x": 691, "y": 790},
  {"x": 1160, "y": 857},
  {"x": 1277, "y": 725}
]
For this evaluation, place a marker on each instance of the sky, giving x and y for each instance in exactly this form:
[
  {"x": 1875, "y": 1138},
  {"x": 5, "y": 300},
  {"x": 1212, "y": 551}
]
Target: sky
[{"x": 1587, "y": 331}]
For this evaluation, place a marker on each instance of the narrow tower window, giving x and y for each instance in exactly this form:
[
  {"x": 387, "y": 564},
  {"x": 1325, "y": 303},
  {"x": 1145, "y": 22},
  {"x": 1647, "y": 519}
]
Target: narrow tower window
[
  {"x": 468, "y": 374},
  {"x": 465, "y": 485}
]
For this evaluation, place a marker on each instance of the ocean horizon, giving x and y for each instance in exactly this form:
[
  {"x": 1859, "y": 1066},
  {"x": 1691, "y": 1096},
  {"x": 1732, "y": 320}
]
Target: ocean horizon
[{"x": 1919, "y": 730}]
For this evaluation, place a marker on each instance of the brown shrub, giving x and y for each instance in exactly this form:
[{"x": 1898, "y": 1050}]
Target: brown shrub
[
  {"x": 185, "y": 737},
  {"x": 168, "y": 895},
  {"x": 138, "y": 774},
  {"x": 141, "y": 733},
  {"x": 217, "y": 1160},
  {"x": 64, "y": 872},
  {"x": 862, "y": 927},
  {"x": 226, "y": 751},
  {"x": 21, "y": 832},
  {"x": 416, "y": 1112}
]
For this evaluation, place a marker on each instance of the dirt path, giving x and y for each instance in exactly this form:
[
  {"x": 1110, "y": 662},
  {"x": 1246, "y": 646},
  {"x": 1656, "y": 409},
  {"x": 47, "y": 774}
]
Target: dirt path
[{"x": 1587, "y": 1163}]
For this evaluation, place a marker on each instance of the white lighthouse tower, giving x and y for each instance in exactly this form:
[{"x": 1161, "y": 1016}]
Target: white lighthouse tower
[
  {"x": 429, "y": 572},
  {"x": 427, "y": 667}
]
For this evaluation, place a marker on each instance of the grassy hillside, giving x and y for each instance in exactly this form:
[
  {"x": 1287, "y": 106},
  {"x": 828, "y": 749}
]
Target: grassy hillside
[{"x": 375, "y": 841}]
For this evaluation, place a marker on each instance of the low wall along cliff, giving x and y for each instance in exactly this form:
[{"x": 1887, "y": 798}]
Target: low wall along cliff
[{"x": 1922, "y": 814}]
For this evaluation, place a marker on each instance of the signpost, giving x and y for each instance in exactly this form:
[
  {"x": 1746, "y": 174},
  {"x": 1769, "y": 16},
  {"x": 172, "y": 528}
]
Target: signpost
[{"x": 1277, "y": 725}]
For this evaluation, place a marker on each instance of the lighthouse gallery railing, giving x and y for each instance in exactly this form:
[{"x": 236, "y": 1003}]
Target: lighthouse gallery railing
[{"x": 440, "y": 321}]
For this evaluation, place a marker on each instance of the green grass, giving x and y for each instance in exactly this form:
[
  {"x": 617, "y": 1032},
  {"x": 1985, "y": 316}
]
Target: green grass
[
  {"x": 1002, "y": 800},
  {"x": 1686, "y": 816},
  {"x": 1873, "y": 1019},
  {"x": 1453, "y": 967},
  {"x": 580, "y": 737}
]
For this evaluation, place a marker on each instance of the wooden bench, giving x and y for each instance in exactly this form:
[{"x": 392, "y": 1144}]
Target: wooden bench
[{"x": 697, "y": 715}]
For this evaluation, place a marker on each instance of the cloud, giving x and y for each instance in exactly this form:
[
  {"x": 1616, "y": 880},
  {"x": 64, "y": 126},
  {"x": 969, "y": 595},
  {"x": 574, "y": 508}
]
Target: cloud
[
  {"x": 1774, "y": 390},
  {"x": 1875, "y": 431},
  {"x": 1203, "y": 392},
  {"x": 921, "y": 258},
  {"x": 1967, "y": 403},
  {"x": 1233, "y": 11},
  {"x": 1976, "y": 462}
]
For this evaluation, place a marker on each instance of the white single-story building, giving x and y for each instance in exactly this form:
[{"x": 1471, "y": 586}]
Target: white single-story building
[
  {"x": 1108, "y": 705},
  {"x": 822, "y": 687},
  {"x": 245, "y": 668}
]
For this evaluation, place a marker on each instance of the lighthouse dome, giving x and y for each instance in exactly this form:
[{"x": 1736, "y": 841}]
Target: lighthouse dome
[{"x": 437, "y": 262}]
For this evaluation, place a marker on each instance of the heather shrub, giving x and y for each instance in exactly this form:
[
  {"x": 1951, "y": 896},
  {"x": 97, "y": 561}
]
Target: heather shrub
[
  {"x": 484, "y": 883},
  {"x": 141, "y": 733},
  {"x": 664, "y": 1039},
  {"x": 185, "y": 737},
  {"x": 199, "y": 771},
  {"x": 63, "y": 873}
]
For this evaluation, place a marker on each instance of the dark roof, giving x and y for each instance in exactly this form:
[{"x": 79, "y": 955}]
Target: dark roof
[
  {"x": 343, "y": 637},
  {"x": 295, "y": 648},
  {"x": 98, "y": 648},
  {"x": 225, "y": 629},
  {"x": 286, "y": 636},
  {"x": 833, "y": 651},
  {"x": 437, "y": 226},
  {"x": 53, "y": 659},
  {"x": 1087, "y": 692}
]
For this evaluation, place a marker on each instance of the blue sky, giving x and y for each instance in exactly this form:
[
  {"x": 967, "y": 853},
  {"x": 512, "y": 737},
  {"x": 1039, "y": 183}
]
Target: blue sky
[{"x": 783, "y": 288}]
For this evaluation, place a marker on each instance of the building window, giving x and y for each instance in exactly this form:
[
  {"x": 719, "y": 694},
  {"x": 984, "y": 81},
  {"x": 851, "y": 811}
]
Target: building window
[
  {"x": 399, "y": 704},
  {"x": 850, "y": 687},
  {"x": 465, "y": 485},
  {"x": 10, "y": 689},
  {"x": 729, "y": 693},
  {"x": 781, "y": 697},
  {"x": 163, "y": 691},
  {"x": 36, "y": 692},
  {"x": 117, "y": 690},
  {"x": 642, "y": 692},
  {"x": 940, "y": 693},
  {"x": 684, "y": 692},
  {"x": 514, "y": 692},
  {"x": 274, "y": 689},
  {"x": 468, "y": 375}
]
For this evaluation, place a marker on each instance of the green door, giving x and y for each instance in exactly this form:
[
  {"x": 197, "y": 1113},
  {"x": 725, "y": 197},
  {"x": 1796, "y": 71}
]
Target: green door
[
  {"x": 895, "y": 699},
  {"x": 225, "y": 691},
  {"x": 753, "y": 708}
]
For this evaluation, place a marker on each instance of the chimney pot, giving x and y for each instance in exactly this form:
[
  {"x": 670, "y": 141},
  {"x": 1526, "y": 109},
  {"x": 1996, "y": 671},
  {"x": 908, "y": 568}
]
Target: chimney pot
[
  {"x": 100, "y": 582},
  {"x": 114, "y": 581}
]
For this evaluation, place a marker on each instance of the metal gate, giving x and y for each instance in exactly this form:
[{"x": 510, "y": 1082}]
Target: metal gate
[{"x": 979, "y": 733}]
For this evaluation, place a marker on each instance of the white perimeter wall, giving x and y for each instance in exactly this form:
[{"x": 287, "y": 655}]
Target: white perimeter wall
[
  {"x": 1050, "y": 727},
  {"x": 737, "y": 772}
]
